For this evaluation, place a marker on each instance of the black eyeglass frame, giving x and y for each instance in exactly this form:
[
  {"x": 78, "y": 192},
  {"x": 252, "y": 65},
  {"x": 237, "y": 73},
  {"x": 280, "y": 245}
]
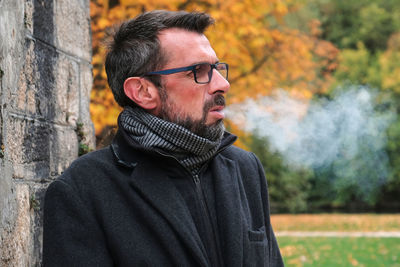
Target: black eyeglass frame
[{"x": 193, "y": 69}]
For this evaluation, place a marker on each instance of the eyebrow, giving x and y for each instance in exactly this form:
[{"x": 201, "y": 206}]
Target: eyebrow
[{"x": 178, "y": 70}]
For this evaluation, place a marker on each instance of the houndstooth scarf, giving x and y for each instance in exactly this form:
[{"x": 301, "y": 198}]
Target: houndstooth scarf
[{"x": 153, "y": 133}]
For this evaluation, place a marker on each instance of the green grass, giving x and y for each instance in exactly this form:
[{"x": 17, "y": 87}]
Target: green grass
[{"x": 340, "y": 251}]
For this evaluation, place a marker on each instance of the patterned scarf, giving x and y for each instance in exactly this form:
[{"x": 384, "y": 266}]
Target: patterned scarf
[{"x": 153, "y": 133}]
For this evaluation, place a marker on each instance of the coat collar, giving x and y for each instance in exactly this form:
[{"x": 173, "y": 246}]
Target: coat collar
[{"x": 123, "y": 148}]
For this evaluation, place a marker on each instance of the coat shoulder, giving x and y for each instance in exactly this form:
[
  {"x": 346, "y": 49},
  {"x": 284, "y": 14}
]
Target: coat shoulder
[
  {"x": 88, "y": 167},
  {"x": 247, "y": 162},
  {"x": 239, "y": 155}
]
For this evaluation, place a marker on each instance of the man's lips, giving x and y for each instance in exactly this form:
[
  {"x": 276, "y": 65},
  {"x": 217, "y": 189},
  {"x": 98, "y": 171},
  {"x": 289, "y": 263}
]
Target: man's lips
[
  {"x": 217, "y": 111},
  {"x": 214, "y": 108},
  {"x": 217, "y": 108}
]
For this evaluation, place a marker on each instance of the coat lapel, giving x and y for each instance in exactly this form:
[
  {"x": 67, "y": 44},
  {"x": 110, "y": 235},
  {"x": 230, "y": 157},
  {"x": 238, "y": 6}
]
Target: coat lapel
[
  {"x": 162, "y": 195},
  {"x": 229, "y": 210}
]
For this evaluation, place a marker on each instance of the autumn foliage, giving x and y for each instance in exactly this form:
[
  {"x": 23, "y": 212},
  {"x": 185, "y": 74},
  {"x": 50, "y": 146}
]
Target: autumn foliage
[{"x": 262, "y": 52}]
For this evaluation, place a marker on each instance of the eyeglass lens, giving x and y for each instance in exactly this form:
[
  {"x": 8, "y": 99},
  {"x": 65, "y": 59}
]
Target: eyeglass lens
[{"x": 203, "y": 72}]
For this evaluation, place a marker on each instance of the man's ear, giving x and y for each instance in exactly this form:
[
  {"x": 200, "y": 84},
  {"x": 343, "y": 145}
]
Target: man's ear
[{"x": 143, "y": 92}]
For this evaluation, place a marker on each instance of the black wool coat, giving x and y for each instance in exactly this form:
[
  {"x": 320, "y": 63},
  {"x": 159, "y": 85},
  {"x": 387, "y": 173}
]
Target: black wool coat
[{"x": 118, "y": 207}]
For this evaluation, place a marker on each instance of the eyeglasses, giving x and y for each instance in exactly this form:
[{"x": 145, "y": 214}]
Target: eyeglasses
[{"x": 202, "y": 72}]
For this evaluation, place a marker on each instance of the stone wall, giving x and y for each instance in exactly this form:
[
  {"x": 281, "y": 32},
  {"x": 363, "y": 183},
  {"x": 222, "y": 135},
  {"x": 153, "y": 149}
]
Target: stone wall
[{"x": 45, "y": 82}]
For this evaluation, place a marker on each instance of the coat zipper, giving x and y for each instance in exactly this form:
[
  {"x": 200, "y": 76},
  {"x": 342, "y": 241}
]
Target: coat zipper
[
  {"x": 215, "y": 250},
  {"x": 199, "y": 191}
]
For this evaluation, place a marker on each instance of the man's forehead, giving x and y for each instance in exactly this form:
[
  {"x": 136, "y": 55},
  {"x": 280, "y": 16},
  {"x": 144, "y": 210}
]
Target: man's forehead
[
  {"x": 174, "y": 32},
  {"x": 183, "y": 44}
]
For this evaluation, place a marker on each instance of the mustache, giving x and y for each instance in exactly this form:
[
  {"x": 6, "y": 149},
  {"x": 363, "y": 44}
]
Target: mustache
[{"x": 217, "y": 100}]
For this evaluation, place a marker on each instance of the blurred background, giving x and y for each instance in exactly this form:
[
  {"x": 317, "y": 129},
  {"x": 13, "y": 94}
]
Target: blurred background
[{"x": 315, "y": 90}]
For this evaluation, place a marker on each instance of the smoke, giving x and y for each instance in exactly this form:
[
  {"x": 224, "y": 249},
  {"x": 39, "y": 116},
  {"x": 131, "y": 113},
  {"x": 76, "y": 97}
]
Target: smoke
[{"x": 346, "y": 133}]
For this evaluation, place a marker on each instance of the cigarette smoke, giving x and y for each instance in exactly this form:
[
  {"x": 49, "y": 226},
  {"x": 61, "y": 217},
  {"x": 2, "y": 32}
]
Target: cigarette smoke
[{"x": 346, "y": 133}]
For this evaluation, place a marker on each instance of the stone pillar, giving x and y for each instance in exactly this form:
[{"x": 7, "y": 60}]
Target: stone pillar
[{"x": 45, "y": 83}]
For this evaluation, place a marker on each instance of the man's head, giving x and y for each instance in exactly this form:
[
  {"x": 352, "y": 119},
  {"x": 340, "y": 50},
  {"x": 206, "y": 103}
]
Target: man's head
[{"x": 163, "y": 40}]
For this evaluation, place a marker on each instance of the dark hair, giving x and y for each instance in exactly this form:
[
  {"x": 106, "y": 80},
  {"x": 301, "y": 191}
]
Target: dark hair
[{"x": 135, "y": 48}]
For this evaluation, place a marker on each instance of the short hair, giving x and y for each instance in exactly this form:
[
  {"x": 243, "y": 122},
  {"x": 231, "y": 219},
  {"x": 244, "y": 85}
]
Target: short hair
[{"x": 135, "y": 48}]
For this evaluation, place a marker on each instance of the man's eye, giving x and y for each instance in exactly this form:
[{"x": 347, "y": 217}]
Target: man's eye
[{"x": 202, "y": 69}]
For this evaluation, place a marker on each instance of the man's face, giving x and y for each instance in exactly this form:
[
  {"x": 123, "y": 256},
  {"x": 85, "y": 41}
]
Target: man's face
[{"x": 198, "y": 107}]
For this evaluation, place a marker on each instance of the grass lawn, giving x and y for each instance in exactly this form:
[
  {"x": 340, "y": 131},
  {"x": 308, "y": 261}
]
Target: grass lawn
[{"x": 340, "y": 251}]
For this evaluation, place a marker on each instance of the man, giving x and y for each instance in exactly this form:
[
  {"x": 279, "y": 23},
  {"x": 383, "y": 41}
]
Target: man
[{"x": 171, "y": 190}]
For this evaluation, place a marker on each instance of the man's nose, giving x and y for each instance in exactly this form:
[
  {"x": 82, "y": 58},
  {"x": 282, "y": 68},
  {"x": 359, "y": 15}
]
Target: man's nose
[{"x": 218, "y": 83}]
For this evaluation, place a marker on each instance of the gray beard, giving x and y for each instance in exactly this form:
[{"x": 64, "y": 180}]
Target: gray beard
[{"x": 198, "y": 127}]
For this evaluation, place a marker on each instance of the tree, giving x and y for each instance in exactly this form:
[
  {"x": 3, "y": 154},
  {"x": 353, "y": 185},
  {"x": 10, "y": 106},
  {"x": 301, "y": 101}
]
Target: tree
[
  {"x": 367, "y": 32},
  {"x": 289, "y": 189}
]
